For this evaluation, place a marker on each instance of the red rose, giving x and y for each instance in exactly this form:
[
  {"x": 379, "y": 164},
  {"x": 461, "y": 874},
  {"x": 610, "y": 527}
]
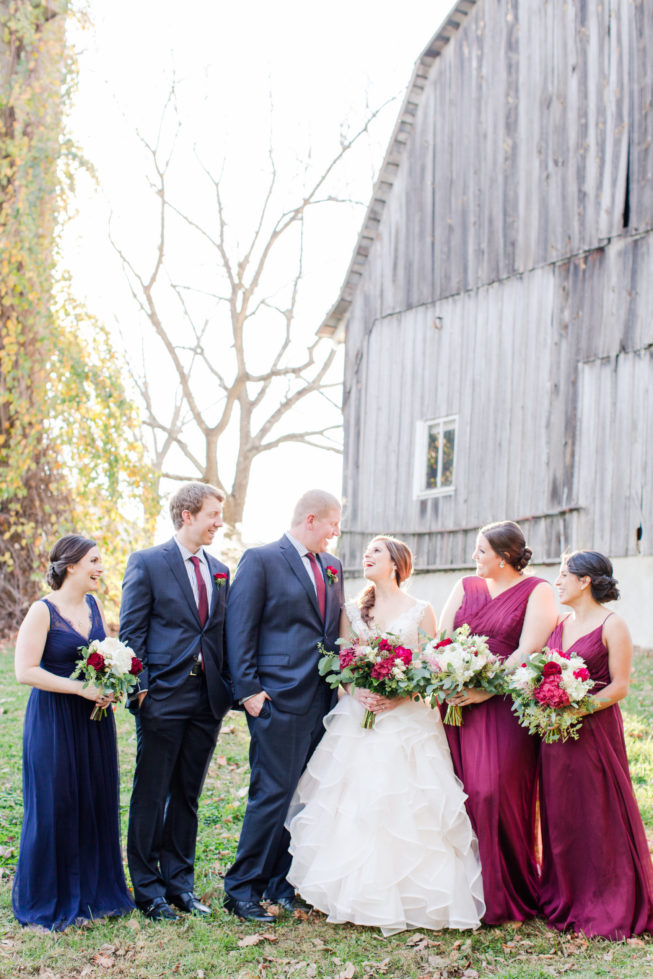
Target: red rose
[
  {"x": 136, "y": 667},
  {"x": 552, "y": 669},
  {"x": 220, "y": 578},
  {"x": 445, "y": 642},
  {"x": 385, "y": 646},
  {"x": 582, "y": 673},
  {"x": 96, "y": 660}
]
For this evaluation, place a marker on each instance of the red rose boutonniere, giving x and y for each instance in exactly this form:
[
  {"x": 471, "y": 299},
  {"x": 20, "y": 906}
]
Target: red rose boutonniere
[
  {"x": 220, "y": 579},
  {"x": 332, "y": 575}
]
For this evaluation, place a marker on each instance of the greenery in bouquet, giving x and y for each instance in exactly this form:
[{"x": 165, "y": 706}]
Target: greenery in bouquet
[
  {"x": 111, "y": 666},
  {"x": 550, "y": 694},
  {"x": 380, "y": 664},
  {"x": 462, "y": 661}
]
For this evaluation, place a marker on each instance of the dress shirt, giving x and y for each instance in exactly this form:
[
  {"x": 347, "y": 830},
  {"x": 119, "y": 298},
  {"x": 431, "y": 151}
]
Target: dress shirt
[
  {"x": 205, "y": 571},
  {"x": 303, "y": 553}
]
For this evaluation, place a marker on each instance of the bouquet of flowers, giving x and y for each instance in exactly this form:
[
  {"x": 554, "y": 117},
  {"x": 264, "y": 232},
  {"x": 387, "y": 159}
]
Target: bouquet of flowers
[
  {"x": 548, "y": 690},
  {"x": 464, "y": 661},
  {"x": 380, "y": 664},
  {"x": 110, "y": 665}
]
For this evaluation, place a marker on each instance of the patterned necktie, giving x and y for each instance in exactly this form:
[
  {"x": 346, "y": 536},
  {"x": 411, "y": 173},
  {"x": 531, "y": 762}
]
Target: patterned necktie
[
  {"x": 319, "y": 583},
  {"x": 203, "y": 602}
]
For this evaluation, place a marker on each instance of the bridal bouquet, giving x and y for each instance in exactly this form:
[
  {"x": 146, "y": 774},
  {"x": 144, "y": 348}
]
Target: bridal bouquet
[
  {"x": 464, "y": 661},
  {"x": 547, "y": 692},
  {"x": 110, "y": 665},
  {"x": 380, "y": 664}
]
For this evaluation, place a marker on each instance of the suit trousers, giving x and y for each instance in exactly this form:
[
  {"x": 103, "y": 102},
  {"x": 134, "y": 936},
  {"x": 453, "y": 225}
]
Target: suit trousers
[
  {"x": 175, "y": 742},
  {"x": 280, "y": 747}
]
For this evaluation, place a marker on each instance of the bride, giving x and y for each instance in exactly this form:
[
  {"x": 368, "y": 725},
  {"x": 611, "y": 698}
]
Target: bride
[{"x": 379, "y": 831}]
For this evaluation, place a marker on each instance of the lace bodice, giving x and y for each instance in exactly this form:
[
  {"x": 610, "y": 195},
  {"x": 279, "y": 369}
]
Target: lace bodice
[{"x": 405, "y": 626}]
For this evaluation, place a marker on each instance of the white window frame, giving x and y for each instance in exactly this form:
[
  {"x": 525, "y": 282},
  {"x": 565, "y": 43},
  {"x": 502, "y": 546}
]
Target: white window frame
[{"x": 421, "y": 448}]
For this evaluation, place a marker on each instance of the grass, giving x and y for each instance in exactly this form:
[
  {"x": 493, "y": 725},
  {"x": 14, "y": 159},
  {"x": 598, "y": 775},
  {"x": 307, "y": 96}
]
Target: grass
[{"x": 223, "y": 948}]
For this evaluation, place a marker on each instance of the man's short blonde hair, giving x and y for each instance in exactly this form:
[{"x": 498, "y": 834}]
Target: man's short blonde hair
[
  {"x": 191, "y": 496},
  {"x": 314, "y": 501}
]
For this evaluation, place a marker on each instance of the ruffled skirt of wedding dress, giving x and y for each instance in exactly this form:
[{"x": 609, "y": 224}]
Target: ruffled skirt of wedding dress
[{"x": 379, "y": 831}]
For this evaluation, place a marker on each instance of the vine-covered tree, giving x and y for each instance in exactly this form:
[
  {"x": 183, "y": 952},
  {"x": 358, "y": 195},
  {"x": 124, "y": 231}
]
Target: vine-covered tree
[{"x": 70, "y": 454}]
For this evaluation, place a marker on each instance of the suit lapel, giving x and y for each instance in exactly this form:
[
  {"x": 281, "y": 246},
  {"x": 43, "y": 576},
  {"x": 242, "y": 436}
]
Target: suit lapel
[
  {"x": 297, "y": 566},
  {"x": 175, "y": 562},
  {"x": 214, "y": 597}
]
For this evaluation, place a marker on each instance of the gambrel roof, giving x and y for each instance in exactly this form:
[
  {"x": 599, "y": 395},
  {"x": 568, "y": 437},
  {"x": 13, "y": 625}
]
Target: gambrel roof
[{"x": 333, "y": 322}]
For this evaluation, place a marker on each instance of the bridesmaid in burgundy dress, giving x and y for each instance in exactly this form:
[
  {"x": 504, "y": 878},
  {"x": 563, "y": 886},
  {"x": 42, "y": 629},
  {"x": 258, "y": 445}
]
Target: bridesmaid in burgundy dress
[
  {"x": 495, "y": 758},
  {"x": 596, "y": 867}
]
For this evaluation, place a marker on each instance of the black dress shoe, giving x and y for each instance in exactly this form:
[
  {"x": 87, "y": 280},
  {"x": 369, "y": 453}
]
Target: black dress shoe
[
  {"x": 158, "y": 910},
  {"x": 248, "y": 910},
  {"x": 186, "y": 901},
  {"x": 291, "y": 904}
]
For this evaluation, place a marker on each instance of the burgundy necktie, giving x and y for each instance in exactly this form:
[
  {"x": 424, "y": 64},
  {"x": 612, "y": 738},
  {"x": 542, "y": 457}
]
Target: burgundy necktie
[
  {"x": 203, "y": 602},
  {"x": 319, "y": 583}
]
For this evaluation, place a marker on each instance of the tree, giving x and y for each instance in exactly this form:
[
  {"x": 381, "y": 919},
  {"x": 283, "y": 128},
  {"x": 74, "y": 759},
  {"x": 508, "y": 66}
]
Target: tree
[
  {"x": 70, "y": 453},
  {"x": 235, "y": 331}
]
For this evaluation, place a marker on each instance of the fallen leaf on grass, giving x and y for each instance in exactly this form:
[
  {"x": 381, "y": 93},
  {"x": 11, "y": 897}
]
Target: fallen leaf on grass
[
  {"x": 221, "y": 760},
  {"x": 256, "y": 939},
  {"x": 635, "y": 941},
  {"x": 348, "y": 972},
  {"x": 208, "y": 895},
  {"x": 415, "y": 939},
  {"x": 134, "y": 924},
  {"x": 104, "y": 961},
  {"x": 470, "y": 974}
]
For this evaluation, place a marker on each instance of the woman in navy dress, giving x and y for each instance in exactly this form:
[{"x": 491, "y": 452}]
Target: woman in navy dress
[
  {"x": 69, "y": 863},
  {"x": 596, "y": 867}
]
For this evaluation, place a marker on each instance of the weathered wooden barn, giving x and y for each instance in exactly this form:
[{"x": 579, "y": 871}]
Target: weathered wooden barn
[{"x": 498, "y": 309}]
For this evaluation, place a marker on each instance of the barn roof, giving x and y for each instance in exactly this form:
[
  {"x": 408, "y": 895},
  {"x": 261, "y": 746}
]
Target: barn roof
[{"x": 390, "y": 166}]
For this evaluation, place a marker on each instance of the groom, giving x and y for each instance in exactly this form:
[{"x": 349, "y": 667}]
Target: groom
[
  {"x": 285, "y": 599},
  {"x": 172, "y": 615}
]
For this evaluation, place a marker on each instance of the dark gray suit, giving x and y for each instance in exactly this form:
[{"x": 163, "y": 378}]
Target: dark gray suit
[
  {"x": 273, "y": 630},
  {"x": 177, "y": 725}
]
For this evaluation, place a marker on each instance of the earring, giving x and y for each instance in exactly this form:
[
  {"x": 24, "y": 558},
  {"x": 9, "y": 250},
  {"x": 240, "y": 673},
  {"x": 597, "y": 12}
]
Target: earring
[{"x": 501, "y": 563}]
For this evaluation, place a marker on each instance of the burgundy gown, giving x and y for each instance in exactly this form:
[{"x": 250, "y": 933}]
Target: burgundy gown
[
  {"x": 596, "y": 867},
  {"x": 497, "y": 760}
]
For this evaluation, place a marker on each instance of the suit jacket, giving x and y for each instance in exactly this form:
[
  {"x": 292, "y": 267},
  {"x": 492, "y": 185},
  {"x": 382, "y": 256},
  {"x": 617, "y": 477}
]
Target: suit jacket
[
  {"x": 159, "y": 619},
  {"x": 274, "y": 626}
]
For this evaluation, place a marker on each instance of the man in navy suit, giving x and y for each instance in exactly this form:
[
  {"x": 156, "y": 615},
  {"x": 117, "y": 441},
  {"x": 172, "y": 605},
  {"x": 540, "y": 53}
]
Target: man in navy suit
[
  {"x": 172, "y": 615},
  {"x": 286, "y": 598}
]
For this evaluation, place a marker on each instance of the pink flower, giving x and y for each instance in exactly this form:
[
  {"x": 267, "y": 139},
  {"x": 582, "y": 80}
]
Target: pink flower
[
  {"x": 550, "y": 694},
  {"x": 347, "y": 657},
  {"x": 552, "y": 669},
  {"x": 383, "y": 669},
  {"x": 582, "y": 673},
  {"x": 404, "y": 654},
  {"x": 559, "y": 652},
  {"x": 385, "y": 646}
]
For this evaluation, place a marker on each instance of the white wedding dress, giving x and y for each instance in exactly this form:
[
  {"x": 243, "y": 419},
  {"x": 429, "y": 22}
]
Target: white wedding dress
[{"x": 379, "y": 831}]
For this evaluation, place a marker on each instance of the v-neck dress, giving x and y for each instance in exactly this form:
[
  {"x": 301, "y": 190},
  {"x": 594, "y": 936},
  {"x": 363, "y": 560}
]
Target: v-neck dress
[
  {"x": 596, "y": 865},
  {"x": 496, "y": 760},
  {"x": 69, "y": 863}
]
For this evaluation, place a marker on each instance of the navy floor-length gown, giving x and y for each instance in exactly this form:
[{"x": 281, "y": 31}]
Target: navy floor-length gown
[{"x": 69, "y": 863}]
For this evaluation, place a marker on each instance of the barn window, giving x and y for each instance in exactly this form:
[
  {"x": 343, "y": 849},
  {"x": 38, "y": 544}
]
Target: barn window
[{"x": 434, "y": 462}]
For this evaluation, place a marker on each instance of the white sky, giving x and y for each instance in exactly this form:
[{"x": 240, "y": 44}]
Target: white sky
[{"x": 246, "y": 72}]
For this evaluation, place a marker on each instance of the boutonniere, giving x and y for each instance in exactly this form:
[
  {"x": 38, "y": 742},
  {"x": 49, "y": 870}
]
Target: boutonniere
[
  {"x": 220, "y": 578},
  {"x": 332, "y": 575}
]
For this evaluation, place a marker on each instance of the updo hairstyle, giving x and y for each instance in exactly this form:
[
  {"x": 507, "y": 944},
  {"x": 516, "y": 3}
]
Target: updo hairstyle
[
  {"x": 507, "y": 539},
  {"x": 402, "y": 558},
  {"x": 598, "y": 568},
  {"x": 67, "y": 550}
]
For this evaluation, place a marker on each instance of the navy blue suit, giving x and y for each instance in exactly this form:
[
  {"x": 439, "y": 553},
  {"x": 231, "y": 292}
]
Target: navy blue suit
[
  {"x": 178, "y": 722},
  {"x": 273, "y": 630}
]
